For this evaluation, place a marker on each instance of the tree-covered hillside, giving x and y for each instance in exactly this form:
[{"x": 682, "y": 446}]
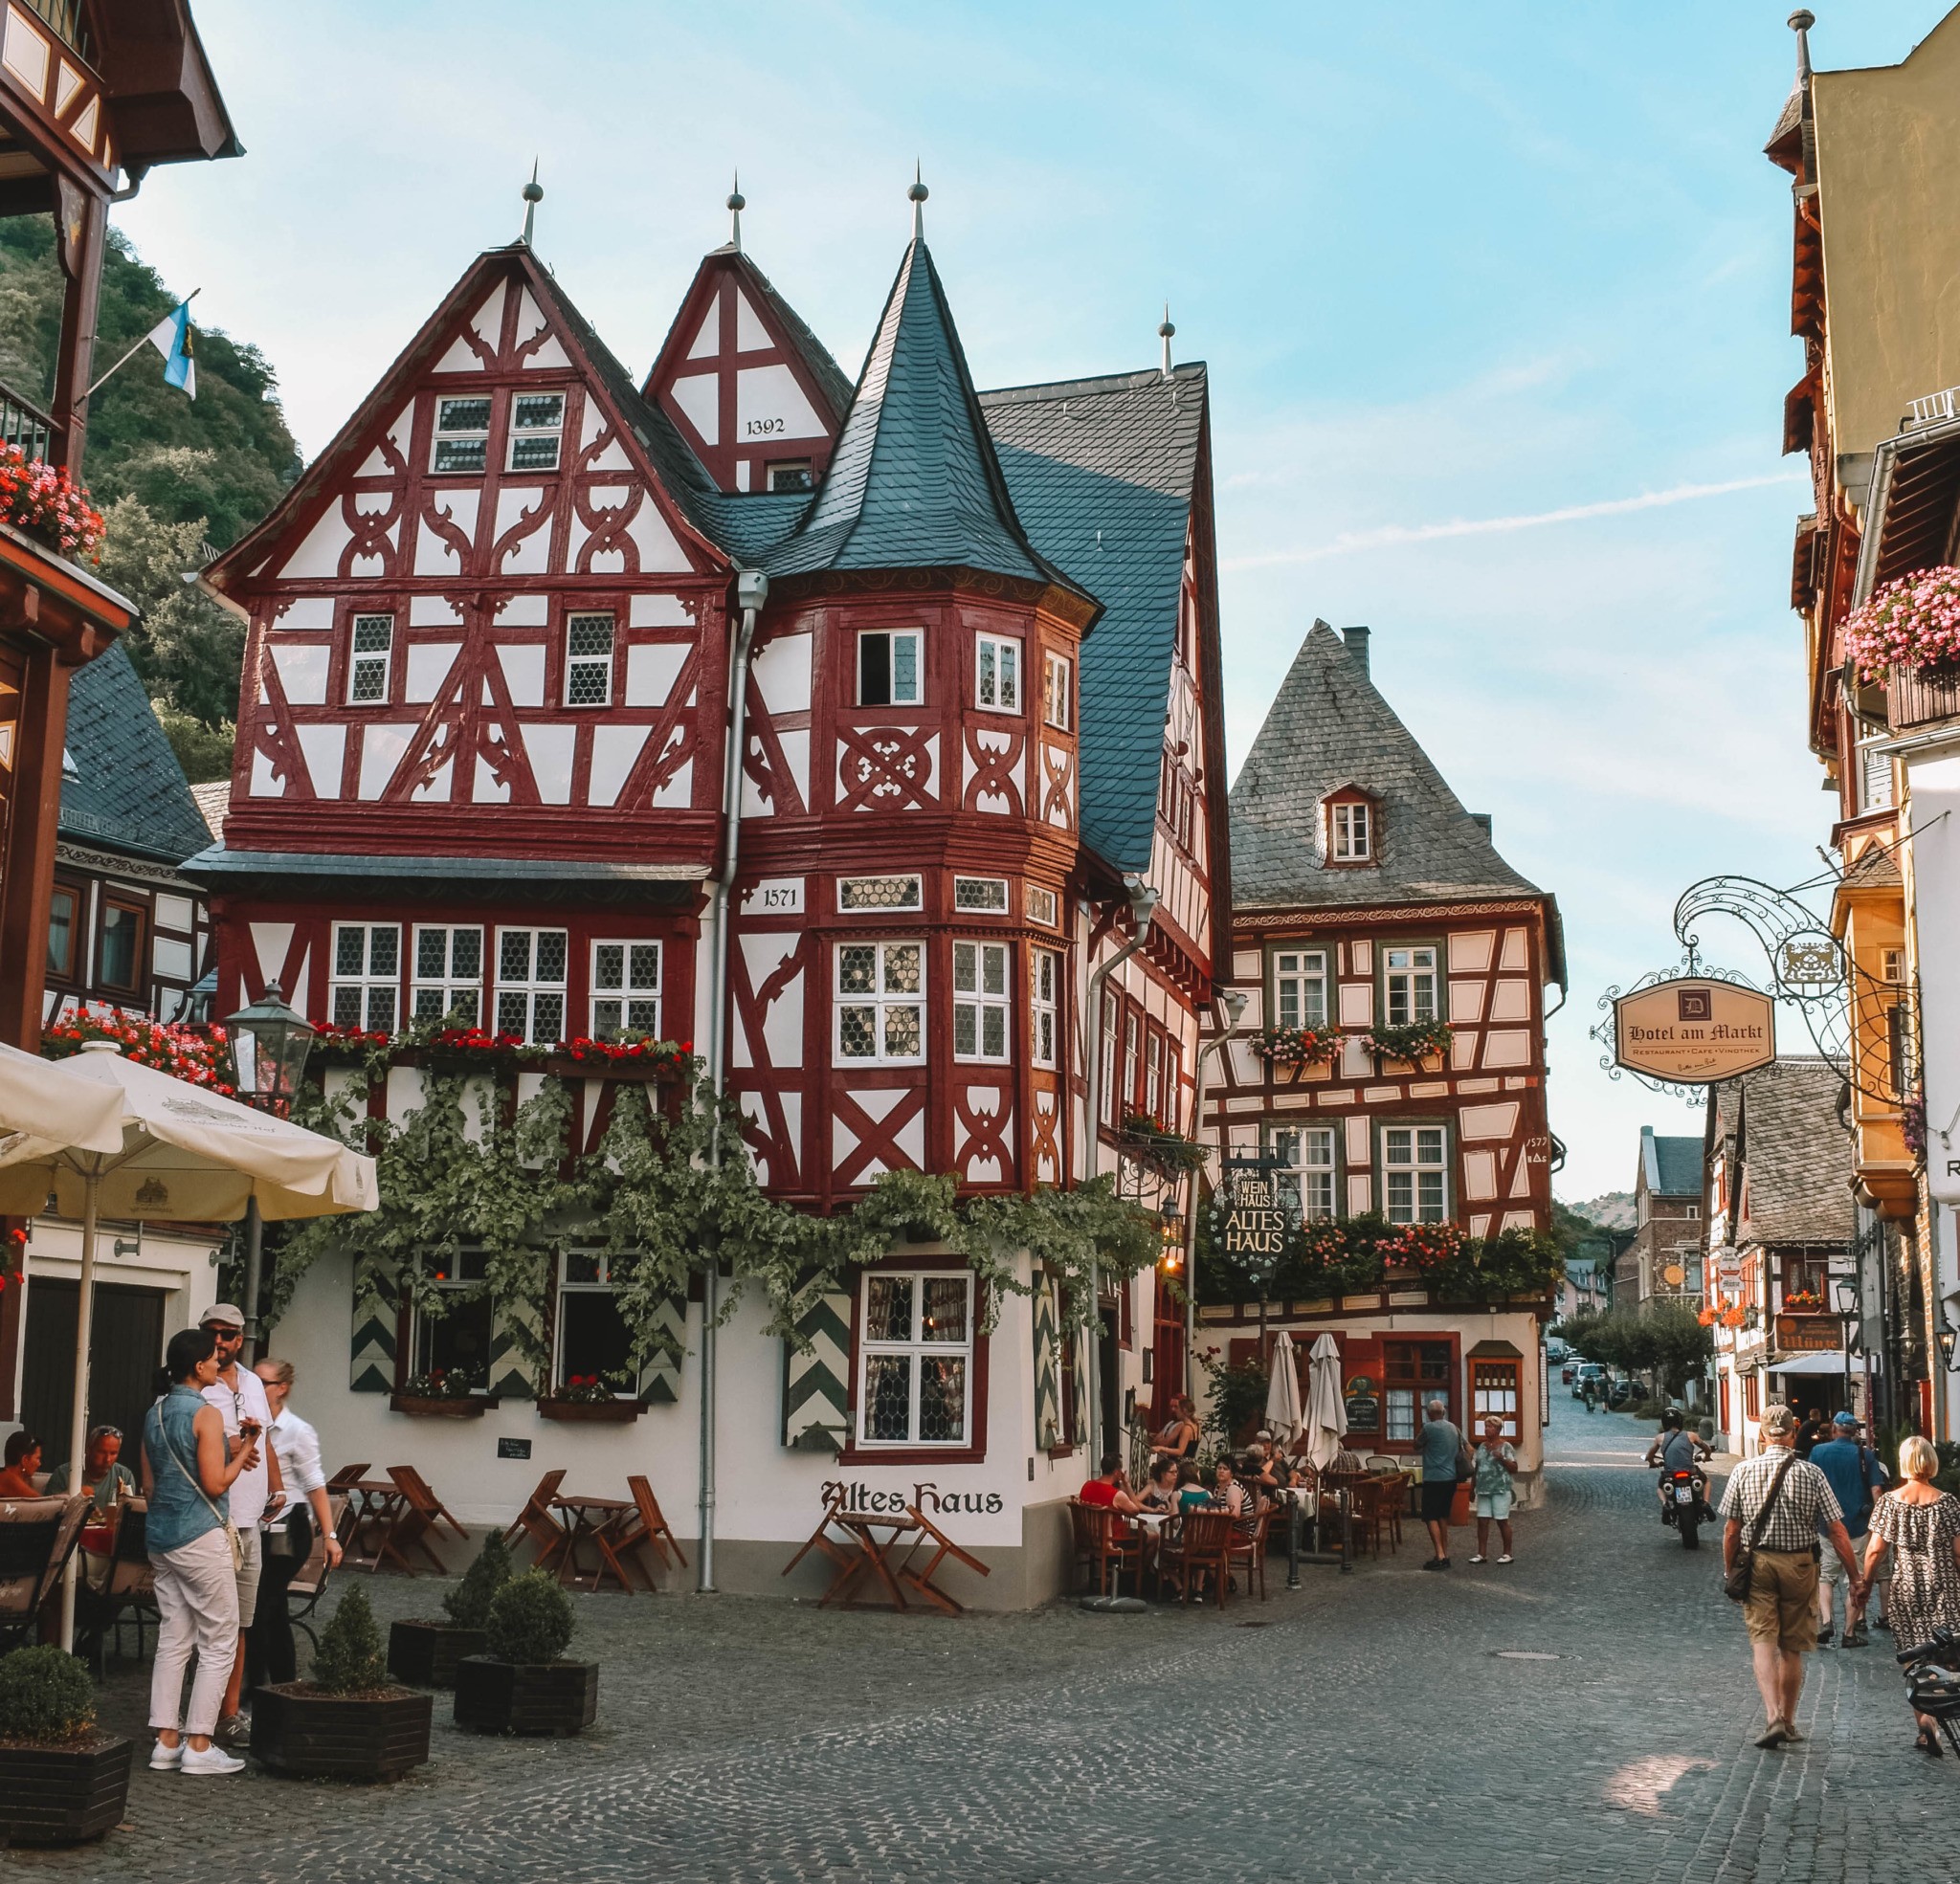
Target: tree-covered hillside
[{"x": 174, "y": 478}]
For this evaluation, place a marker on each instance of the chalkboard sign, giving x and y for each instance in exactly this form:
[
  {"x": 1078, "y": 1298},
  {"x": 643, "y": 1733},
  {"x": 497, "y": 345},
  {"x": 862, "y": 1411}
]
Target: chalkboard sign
[
  {"x": 513, "y": 1448},
  {"x": 1364, "y": 1413}
]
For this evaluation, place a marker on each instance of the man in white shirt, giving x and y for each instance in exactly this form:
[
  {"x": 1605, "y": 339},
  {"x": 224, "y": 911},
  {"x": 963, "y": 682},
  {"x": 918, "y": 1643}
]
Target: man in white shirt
[{"x": 239, "y": 1396}]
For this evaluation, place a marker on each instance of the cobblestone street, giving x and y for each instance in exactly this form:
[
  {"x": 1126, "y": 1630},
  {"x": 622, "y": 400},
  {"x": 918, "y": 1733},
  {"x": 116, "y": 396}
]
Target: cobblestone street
[{"x": 1367, "y": 1727}]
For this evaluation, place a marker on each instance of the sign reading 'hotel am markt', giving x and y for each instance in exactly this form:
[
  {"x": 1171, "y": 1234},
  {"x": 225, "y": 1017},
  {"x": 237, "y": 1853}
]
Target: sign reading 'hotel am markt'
[{"x": 1694, "y": 1032}]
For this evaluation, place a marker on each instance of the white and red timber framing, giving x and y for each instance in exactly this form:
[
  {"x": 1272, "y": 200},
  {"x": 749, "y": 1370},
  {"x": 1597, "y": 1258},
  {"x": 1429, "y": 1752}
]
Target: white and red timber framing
[{"x": 481, "y": 743}]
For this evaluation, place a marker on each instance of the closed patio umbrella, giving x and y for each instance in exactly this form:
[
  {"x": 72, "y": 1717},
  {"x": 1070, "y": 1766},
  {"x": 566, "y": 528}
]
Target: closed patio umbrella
[
  {"x": 1282, "y": 1395},
  {"x": 177, "y": 1153},
  {"x": 1327, "y": 1417}
]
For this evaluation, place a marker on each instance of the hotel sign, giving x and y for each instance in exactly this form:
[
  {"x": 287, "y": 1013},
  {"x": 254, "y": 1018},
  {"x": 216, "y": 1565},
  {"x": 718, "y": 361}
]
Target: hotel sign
[{"x": 1694, "y": 1032}]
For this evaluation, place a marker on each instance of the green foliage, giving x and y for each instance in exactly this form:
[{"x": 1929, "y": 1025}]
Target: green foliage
[
  {"x": 1665, "y": 1338},
  {"x": 1336, "y": 1256},
  {"x": 468, "y": 1603},
  {"x": 205, "y": 753},
  {"x": 45, "y": 1695},
  {"x": 1236, "y": 1398},
  {"x": 348, "y": 1659},
  {"x": 530, "y": 1619}
]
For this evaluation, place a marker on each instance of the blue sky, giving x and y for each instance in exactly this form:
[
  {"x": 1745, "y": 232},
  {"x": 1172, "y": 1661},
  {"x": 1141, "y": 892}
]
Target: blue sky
[{"x": 1496, "y": 302}]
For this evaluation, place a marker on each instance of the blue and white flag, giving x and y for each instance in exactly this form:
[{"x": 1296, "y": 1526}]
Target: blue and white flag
[{"x": 171, "y": 338}]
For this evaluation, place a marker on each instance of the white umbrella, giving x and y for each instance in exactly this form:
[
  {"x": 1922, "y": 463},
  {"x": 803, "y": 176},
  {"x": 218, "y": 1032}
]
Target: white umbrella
[
  {"x": 1327, "y": 1417},
  {"x": 178, "y": 1153},
  {"x": 47, "y": 1109},
  {"x": 1282, "y": 1395}
]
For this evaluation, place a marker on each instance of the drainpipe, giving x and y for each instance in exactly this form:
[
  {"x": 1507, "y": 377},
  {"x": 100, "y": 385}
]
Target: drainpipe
[
  {"x": 1143, "y": 906},
  {"x": 1234, "y": 1001},
  {"x": 752, "y": 591}
]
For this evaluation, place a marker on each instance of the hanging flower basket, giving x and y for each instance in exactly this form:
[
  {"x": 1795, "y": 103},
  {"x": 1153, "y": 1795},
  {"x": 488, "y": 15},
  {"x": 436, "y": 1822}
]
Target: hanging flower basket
[
  {"x": 1417, "y": 1042},
  {"x": 42, "y": 501},
  {"x": 1913, "y": 622}
]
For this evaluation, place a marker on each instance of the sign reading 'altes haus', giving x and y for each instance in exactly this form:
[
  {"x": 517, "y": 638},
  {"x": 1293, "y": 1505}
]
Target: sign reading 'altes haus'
[{"x": 1694, "y": 1032}]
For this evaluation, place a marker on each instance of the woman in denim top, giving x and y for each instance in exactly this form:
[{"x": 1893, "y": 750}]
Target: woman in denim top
[{"x": 185, "y": 1474}]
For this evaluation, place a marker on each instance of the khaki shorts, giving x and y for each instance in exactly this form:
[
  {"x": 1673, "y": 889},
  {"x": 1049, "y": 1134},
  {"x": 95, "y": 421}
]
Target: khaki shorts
[
  {"x": 1830, "y": 1572},
  {"x": 250, "y": 1561},
  {"x": 1782, "y": 1606}
]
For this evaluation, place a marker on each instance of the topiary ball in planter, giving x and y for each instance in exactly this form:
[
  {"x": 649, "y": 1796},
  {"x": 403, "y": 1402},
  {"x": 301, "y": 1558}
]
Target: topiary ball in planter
[
  {"x": 349, "y": 1721},
  {"x": 62, "y": 1782},
  {"x": 522, "y": 1686},
  {"x": 426, "y": 1654}
]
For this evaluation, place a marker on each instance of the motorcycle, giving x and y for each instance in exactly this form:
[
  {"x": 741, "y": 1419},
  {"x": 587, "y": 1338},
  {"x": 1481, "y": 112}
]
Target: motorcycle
[
  {"x": 1680, "y": 1505},
  {"x": 1933, "y": 1681}
]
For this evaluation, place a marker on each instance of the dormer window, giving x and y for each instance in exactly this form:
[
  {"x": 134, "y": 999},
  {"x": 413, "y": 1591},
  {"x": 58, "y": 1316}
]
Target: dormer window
[
  {"x": 1352, "y": 834},
  {"x": 1351, "y": 828}
]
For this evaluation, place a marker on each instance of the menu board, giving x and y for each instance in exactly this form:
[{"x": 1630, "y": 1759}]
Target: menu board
[{"x": 1364, "y": 1412}]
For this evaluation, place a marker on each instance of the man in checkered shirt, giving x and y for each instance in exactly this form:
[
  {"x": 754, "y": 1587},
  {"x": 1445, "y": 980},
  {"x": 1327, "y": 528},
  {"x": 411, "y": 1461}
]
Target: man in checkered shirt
[{"x": 1781, "y": 1611}]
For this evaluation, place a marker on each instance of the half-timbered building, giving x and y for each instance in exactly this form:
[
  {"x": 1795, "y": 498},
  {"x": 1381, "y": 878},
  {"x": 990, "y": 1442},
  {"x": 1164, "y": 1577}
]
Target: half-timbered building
[
  {"x": 1372, "y": 914},
  {"x": 494, "y": 635}
]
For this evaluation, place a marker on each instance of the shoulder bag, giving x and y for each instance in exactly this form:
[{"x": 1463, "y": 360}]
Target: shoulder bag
[
  {"x": 223, "y": 1517},
  {"x": 1735, "y": 1585},
  {"x": 1466, "y": 1460}
]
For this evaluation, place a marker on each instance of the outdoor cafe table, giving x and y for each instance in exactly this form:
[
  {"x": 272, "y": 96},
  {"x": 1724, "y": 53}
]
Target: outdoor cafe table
[
  {"x": 870, "y": 1540},
  {"x": 374, "y": 1508},
  {"x": 595, "y": 1521}
]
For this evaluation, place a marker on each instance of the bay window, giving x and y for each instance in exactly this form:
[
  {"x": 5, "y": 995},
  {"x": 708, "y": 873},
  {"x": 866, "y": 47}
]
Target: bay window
[
  {"x": 1045, "y": 1004},
  {"x": 982, "y": 1007},
  {"x": 880, "y": 1002}
]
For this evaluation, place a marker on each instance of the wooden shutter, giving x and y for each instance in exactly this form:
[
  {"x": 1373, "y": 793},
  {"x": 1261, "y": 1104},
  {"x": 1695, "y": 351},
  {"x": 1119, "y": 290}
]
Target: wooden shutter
[
  {"x": 659, "y": 1380},
  {"x": 376, "y": 1308},
  {"x": 1047, "y": 1365},
  {"x": 816, "y": 1372}
]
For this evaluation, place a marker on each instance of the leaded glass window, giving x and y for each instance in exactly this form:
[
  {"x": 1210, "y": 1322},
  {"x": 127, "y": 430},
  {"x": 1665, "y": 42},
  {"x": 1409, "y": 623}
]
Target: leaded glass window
[
  {"x": 914, "y": 1355},
  {"x": 880, "y": 1002}
]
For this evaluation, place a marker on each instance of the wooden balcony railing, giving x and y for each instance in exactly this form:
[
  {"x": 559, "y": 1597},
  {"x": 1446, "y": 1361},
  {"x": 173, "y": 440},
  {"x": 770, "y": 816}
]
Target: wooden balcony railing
[
  {"x": 24, "y": 424},
  {"x": 1918, "y": 696},
  {"x": 66, "y": 19}
]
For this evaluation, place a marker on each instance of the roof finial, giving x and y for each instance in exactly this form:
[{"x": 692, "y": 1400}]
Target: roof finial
[
  {"x": 917, "y": 195},
  {"x": 737, "y": 203},
  {"x": 1164, "y": 333},
  {"x": 1800, "y": 23},
  {"x": 533, "y": 194}
]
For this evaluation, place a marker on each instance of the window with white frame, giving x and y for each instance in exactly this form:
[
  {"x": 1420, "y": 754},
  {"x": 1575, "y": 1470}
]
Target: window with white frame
[
  {"x": 982, "y": 893},
  {"x": 997, "y": 676},
  {"x": 880, "y": 1002},
  {"x": 1043, "y": 906},
  {"x": 982, "y": 1007},
  {"x": 448, "y": 974},
  {"x": 1153, "y": 1077},
  {"x": 590, "y": 1341},
  {"x": 1874, "y": 776},
  {"x": 536, "y": 422},
  {"x": 626, "y": 989},
  {"x": 1415, "y": 1173},
  {"x": 891, "y": 667},
  {"x": 371, "y": 654},
  {"x": 1058, "y": 702},
  {"x": 1409, "y": 985},
  {"x": 915, "y": 1358},
  {"x": 1307, "y": 1168},
  {"x": 880, "y": 893},
  {"x": 1132, "y": 1060},
  {"x": 1354, "y": 832},
  {"x": 456, "y": 1341},
  {"x": 1300, "y": 987},
  {"x": 462, "y": 434},
  {"x": 589, "y": 660},
  {"x": 1045, "y": 1004},
  {"x": 1107, "y": 1061},
  {"x": 530, "y": 984},
  {"x": 366, "y": 985}
]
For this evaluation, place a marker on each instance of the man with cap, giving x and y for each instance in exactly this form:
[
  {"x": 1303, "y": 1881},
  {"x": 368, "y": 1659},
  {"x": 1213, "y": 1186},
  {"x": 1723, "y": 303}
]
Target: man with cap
[
  {"x": 1856, "y": 1477},
  {"x": 239, "y": 1396},
  {"x": 1779, "y": 1504}
]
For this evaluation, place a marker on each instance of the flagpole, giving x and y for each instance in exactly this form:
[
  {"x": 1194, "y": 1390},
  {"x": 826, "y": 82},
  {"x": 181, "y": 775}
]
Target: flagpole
[{"x": 136, "y": 349}]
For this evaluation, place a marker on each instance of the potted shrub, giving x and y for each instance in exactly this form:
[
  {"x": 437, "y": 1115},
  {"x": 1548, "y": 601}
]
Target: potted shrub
[
  {"x": 61, "y": 1779},
  {"x": 348, "y": 1721},
  {"x": 441, "y": 1393},
  {"x": 425, "y": 1653},
  {"x": 522, "y": 1684},
  {"x": 589, "y": 1397}
]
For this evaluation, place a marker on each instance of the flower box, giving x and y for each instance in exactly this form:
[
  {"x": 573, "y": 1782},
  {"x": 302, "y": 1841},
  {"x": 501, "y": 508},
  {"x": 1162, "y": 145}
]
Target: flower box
[
  {"x": 560, "y": 1698},
  {"x": 306, "y": 1734},
  {"x": 467, "y": 1407},
  {"x": 425, "y": 1655},
  {"x": 1293, "y": 1072},
  {"x": 63, "y": 1795},
  {"x": 601, "y": 1413}
]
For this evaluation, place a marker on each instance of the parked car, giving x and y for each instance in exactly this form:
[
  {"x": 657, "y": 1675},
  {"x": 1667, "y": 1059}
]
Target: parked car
[
  {"x": 1622, "y": 1392},
  {"x": 1555, "y": 1349}
]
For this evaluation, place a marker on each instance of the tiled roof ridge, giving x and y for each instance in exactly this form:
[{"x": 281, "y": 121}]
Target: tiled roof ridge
[{"x": 1141, "y": 379}]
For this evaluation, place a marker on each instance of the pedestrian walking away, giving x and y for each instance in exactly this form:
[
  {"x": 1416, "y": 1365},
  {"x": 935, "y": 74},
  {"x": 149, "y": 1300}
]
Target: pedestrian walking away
[
  {"x": 1856, "y": 1477},
  {"x": 1918, "y": 1524},
  {"x": 1780, "y": 1503},
  {"x": 1446, "y": 1464},
  {"x": 1493, "y": 1462}
]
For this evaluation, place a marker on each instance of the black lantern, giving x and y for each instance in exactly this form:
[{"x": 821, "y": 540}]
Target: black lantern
[
  {"x": 269, "y": 1047},
  {"x": 1946, "y": 1335},
  {"x": 1845, "y": 1289}
]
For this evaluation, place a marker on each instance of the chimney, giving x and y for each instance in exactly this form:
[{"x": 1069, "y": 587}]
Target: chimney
[
  {"x": 1483, "y": 820},
  {"x": 1356, "y": 639}
]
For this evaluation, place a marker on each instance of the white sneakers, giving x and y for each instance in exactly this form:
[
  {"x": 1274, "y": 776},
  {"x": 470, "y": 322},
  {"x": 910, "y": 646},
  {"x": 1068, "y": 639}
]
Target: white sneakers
[
  {"x": 165, "y": 1759},
  {"x": 213, "y": 1759}
]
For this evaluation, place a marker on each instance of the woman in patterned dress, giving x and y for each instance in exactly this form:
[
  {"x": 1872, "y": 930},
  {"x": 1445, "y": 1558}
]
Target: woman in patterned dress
[{"x": 1921, "y": 1525}]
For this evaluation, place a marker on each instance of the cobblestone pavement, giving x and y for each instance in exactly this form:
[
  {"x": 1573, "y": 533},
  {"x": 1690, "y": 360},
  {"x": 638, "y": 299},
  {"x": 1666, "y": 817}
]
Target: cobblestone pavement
[{"x": 1367, "y": 1727}]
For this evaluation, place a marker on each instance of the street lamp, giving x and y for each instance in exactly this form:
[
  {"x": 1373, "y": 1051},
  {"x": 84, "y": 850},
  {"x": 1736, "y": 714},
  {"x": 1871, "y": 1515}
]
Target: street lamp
[
  {"x": 1846, "y": 1289},
  {"x": 1946, "y": 1335},
  {"x": 269, "y": 1047}
]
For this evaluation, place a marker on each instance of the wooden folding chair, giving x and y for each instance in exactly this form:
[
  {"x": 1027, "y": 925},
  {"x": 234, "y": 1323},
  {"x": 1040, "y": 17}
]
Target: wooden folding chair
[
  {"x": 646, "y": 1525},
  {"x": 309, "y": 1585},
  {"x": 845, "y": 1555},
  {"x": 414, "y": 1527},
  {"x": 1248, "y": 1546},
  {"x": 423, "y": 1498},
  {"x": 347, "y": 1477},
  {"x": 539, "y": 1522},
  {"x": 921, "y": 1579},
  {"x": 1206, "y": 1550}
]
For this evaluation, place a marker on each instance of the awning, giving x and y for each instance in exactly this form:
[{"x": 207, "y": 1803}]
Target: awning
[{"x": 1824, "y": 1361}]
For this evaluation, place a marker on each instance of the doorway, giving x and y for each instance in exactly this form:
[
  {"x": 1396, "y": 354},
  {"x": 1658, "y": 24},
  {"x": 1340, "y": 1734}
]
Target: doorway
[{"x": 125, "y": 1345}]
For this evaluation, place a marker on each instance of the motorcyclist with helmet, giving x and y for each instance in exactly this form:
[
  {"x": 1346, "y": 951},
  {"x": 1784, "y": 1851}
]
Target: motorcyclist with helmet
[{"x": 1673, "y": 1449}]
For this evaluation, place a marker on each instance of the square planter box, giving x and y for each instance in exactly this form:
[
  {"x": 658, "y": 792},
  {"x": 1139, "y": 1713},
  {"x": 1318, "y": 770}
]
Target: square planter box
[
  {"x": 425, "y": 1655},
  {"x": 340, "y": 1736},
  {"x": 63, "y": 1795},
  {"x": 525, "y": 1698},
  {"x": 603, "y": 1412}
]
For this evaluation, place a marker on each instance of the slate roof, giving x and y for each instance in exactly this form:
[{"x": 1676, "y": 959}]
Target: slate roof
[
  {"x": 1101, "y": 473},
  {"x": 913, "y": 482},
  {"x": 1795, "y": 1154},
  {"x": 214, "y": 800},
  {"x": 126, "y": 791},
  {"x": 1329, "y": 726},
  {"x": 1672, "y": 1166}
]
